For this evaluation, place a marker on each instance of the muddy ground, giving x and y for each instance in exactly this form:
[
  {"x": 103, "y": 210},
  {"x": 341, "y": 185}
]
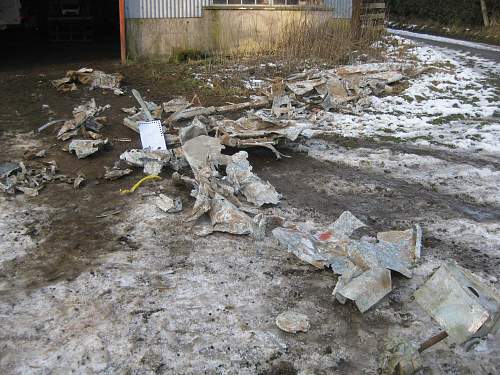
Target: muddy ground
[{"x": 139, "y": 293}]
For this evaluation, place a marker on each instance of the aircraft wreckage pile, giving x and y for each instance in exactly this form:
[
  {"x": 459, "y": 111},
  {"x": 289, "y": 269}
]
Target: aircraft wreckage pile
[{"x": 229, "y": 196}]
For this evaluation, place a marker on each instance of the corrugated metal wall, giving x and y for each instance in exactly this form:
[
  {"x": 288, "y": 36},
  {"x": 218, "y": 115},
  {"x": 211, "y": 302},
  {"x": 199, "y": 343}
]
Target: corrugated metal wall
[
  {"x": 193, "y": 8},
  {"x": 164, "y": 8},
  {"x": 341, "y": 8}
]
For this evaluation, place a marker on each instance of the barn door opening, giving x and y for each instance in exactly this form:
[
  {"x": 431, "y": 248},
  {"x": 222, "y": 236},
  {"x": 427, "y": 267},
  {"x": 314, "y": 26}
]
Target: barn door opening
[{"x": 61, "y": 31}]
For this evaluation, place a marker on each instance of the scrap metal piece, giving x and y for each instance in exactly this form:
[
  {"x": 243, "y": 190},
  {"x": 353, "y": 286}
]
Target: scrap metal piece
[
  {"x": 293, "y": 322},
  {"x": 301, "y": 88},
  {"x": 190, "y": 113},
  {"x": 84, "y": 147},
  {"x": 167, "y": 204},
  {"x": 94, "y": 78},
  {"x": 195, "y": 129},
  {"x": 80, "y": 114},
  {"x": 368, "y": 255},
  {"x": 49, "y": 124},
  {"x": 366, "y": 289},
  {"x": 79, "y": 180},
  {"x": 203, "y": 151},
  {"x": 151, "y": 161},
  {"x": 226, "y": 217},
  {"x": 7, "y": 168},
  {"x": 176, "y": 105},
  {"x": 345, "y": 225},
  {"x": 282, "y": 105},
  {"x": 240, "y": 175},
  {"x": 31, "y": 192},
  {"x": 408, "y": 241},
  {"x": 114, "y": 174},
  {"x": 301, "y": 245},
  {"x": 460, "y": 302}
]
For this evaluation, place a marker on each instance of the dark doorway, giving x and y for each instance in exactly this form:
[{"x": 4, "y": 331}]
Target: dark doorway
[{"x": 61, "y": 31}]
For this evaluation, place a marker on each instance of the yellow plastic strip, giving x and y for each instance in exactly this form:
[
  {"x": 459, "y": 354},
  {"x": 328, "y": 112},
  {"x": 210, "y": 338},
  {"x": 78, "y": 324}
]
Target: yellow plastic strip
[{"x": 139, "y": 183}]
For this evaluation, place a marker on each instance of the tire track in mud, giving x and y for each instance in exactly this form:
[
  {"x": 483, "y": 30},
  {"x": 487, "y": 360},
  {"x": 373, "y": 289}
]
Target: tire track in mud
[
  {"x": 405, "y": 148},
  {"x": 384, "y": 203}
]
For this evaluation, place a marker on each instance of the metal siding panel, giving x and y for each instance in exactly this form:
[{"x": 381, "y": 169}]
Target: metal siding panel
[
  {"x": 341, "y": 8},
  {"x": 164, "y": 8}
]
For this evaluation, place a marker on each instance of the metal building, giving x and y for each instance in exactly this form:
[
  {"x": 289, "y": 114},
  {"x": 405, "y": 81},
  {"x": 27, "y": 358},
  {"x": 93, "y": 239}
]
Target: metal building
[{"x": 194, "y": 8}]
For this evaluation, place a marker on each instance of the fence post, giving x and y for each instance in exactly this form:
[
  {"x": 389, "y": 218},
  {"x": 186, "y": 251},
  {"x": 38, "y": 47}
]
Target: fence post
[{"x": 123, "y": 37}]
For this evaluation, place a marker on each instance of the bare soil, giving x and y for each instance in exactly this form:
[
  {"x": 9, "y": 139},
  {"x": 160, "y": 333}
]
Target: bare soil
[{"x": 138, "y": 293}]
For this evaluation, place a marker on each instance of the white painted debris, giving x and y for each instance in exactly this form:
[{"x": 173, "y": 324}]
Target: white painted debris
[
  {"x": 167, "y": 204},
  {"x": 292, "y": 322},
  {"x": 463, "y": 304},
  {"x": 363, "y": 265},
  {"x": 84, "y": 147},
  {"x": 152, "y": 137}
]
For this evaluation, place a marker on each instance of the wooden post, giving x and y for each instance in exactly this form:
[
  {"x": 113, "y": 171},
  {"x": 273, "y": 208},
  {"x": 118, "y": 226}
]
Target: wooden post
[
  {"x": 123, "y": 35},
  {"x": 484, "y": 9},
  {"x": 356, "y": 19}
]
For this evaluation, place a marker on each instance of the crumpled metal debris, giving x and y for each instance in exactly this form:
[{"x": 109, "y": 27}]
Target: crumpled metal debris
[
  {"x": 153, "y": 161},
  {"x": 7, "y": 168},
  {"x": 460, "y": 302},
  {"x": 240, "y": 176},
  {"x": 195, "y": 129},
  {"x": 85, "y": 147},
  {"x": 258, "y": 130},
  {"x": 167, "y": 204},
  {"x": 79, "y": 181},
  {"x": 136, "y": 116},
  {"x": 93, "y": 78},
  {"x": 364, "y": 265},
  {"x": 176, "y": 105},
  {"x": 219, "y": 195},
  {"x": 29, "y": 179},
  {"x": 292, "y": 322},
  {"x": 83, "y": 115},
  {"x": 116, "y": 173}
]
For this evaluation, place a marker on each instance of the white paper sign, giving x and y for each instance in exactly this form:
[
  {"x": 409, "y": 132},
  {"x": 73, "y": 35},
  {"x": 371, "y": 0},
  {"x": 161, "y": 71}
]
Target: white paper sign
[{"x": 152, "y": 137}]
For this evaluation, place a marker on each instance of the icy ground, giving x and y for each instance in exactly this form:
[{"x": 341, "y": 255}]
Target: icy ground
[{"x": 139, "y": 293}]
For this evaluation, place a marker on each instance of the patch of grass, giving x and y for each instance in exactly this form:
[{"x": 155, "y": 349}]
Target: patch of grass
[{"x": 447, "y": 119}]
